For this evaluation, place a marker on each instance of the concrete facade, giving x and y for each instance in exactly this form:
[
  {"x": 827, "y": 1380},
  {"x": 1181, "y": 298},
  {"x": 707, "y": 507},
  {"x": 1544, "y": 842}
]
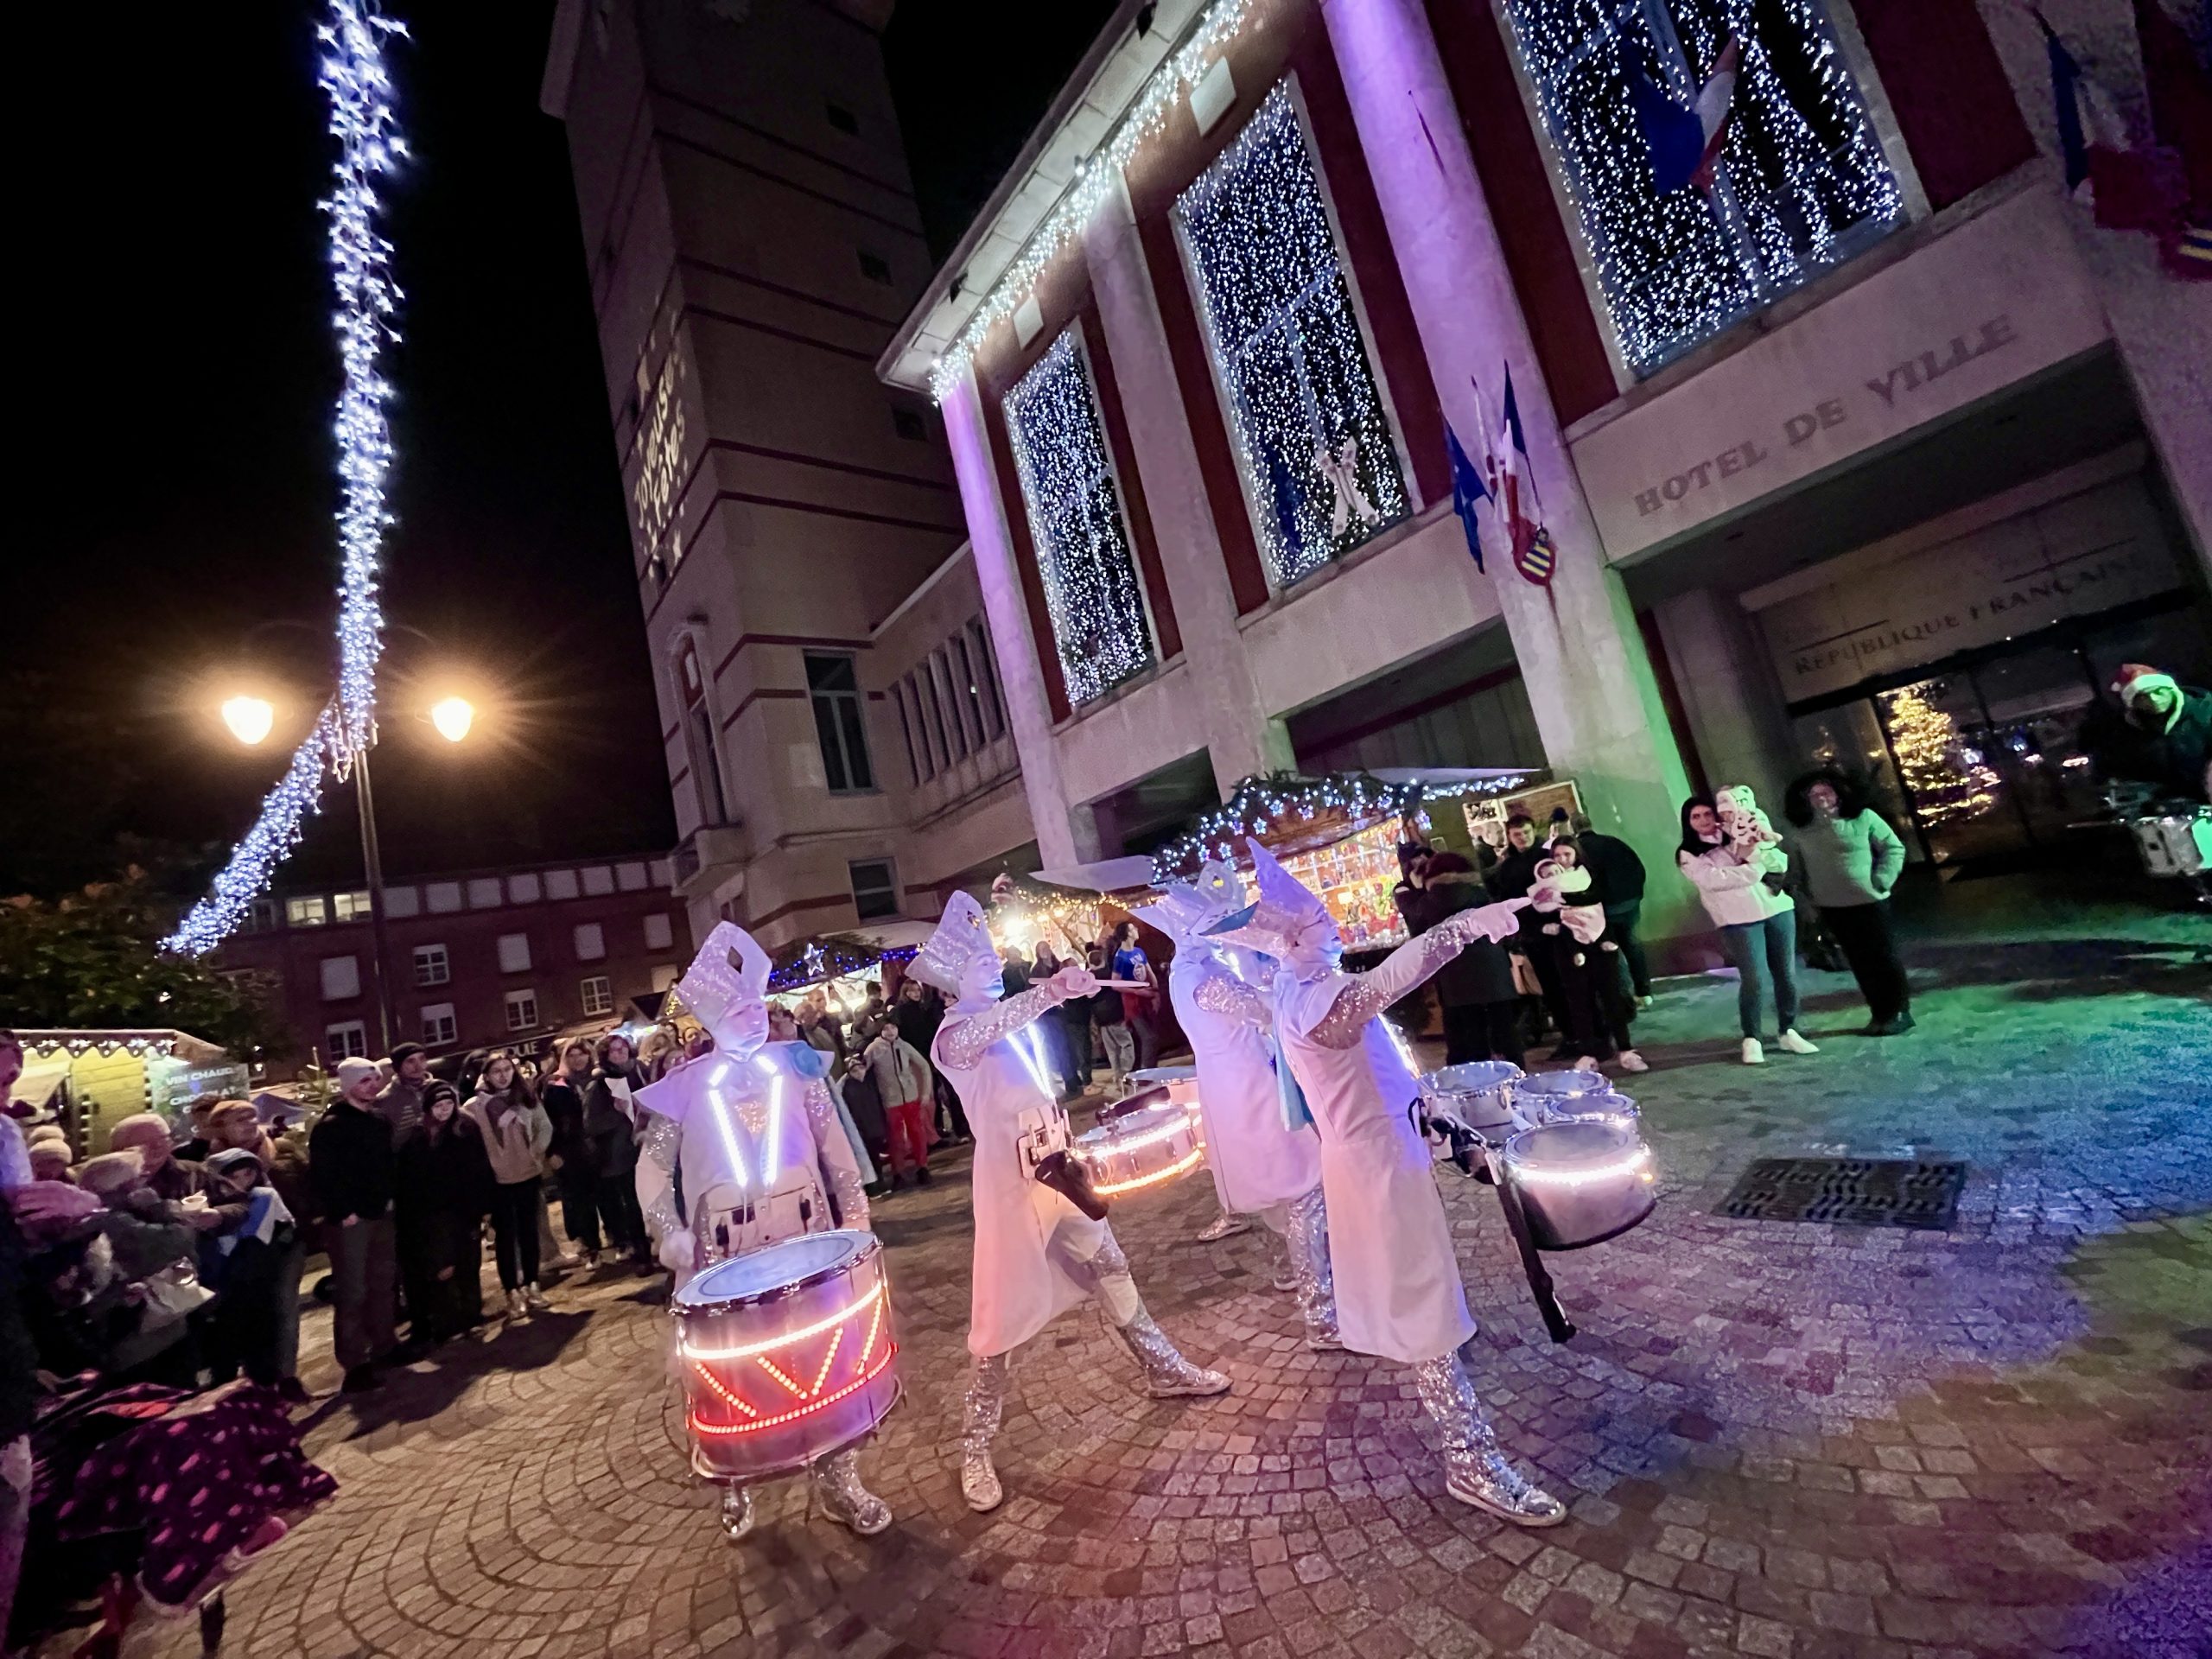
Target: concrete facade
[
  {"x": 796, "y": 526},
  {"x": 1995, "y": 395}
]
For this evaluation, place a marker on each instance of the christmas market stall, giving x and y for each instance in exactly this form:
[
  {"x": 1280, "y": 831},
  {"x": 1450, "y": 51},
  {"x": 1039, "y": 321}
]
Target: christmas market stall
[
  {"x": 1339, "y": 833},
  {"x": 85, "y": 1080},
  {"x": 840, "y": 966}
]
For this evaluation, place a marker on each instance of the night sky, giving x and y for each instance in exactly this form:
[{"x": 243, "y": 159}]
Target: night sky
[{"x": 181, "y": 373}]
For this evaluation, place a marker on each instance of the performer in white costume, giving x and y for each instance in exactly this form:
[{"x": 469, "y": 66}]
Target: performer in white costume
[
  {"x": 1262, "y": 1166},
  {"x": 1036, "y": 1254},
  {"x": 1397, "y": 1280},
  {"x": 764, "y": 1158}
]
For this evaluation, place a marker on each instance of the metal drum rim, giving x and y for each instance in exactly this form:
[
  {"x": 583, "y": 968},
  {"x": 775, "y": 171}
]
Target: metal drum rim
[{"x": 863, "y": 1245}]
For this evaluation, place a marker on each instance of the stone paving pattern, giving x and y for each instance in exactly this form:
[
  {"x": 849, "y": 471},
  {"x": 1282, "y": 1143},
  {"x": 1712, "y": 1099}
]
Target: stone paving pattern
[{"x": 1779, "y": 1440}]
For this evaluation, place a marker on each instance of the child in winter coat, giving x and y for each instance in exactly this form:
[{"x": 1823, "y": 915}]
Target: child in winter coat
[{"x": 1572, "y": 903}]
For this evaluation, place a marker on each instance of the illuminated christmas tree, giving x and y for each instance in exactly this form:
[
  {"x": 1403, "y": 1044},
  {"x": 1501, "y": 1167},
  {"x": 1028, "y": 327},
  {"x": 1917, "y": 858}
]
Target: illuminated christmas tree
[{"x": 1946, "y": 778}]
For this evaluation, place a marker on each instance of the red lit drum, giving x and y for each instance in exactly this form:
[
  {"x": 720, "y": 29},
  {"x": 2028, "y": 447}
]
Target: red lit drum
[
  {"x": 787, "y": 1355},
  {"x": 1137, "y": 1150}
]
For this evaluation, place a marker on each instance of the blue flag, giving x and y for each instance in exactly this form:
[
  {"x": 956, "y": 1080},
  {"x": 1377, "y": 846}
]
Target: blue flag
[
  {"x": 2066, "y": 87},
  {"x": 1467, "y": 494}
]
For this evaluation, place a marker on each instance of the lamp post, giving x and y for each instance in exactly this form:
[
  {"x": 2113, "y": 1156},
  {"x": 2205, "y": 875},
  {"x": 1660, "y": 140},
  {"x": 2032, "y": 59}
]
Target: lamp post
[{"x": 250, "y": 719}]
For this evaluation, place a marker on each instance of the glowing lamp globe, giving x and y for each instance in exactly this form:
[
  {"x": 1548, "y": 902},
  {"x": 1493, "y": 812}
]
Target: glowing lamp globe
[
  {"x": 250, "y": 719},
  {"x": 453, "y": 717}
]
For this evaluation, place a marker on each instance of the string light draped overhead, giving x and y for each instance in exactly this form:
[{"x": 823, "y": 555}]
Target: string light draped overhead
[
  {"x": 1091, "y": 594},
  {"x": 354, "y": 77},
  {"x": 1801, "y": 184},
  {"x": 1312, "y": 437}
]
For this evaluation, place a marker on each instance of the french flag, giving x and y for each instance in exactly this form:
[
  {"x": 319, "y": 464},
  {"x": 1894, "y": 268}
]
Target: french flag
[
  {"x": 1685, "y": 143},
  {"x": 1513, "y": 489}
]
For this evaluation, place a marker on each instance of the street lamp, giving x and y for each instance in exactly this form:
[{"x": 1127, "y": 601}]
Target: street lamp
[
  {"x": 453, "y": 716},
  {"x": 248, "y": 718}
]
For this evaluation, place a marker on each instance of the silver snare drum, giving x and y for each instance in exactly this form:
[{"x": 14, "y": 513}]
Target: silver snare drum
[
  {"x": 787, "y": 1355},
  {"x": 1149, "y": 1147},
  {"x": 1580, "y": 1181},
  {"x": 1479, "y": 1093}
]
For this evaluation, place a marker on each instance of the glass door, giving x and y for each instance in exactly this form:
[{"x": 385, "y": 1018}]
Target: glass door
[
  {"x": 1940, "y": 735},
  {"x": 2036, "y": 699}
]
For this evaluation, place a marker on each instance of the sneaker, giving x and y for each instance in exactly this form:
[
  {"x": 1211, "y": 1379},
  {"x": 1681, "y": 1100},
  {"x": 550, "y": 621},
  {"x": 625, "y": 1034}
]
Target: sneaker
[
  {"x": 292, "y": 1391},
  {"x": 922, "y": 1176},
  {"x": 1585, "y": 1063},
  {"x": 517, "y": 1308},
  {"x": 1791, "y": 1043},
  {"x": 533, "y": 1297},
  {"x": 1227, "y": 1225},
  {"x": 979, "y": 1482},
  {"x": 360, "y": 1380},
  {"x": 1632, "y": 1061},
  {"x": 1895, "y": 1025},
  {"x": 1487, "y": 1481},
  {"x": 567, "y": 1259},
  {"x": 1753, "y": 1054},
  {"x": 1644, "y": 1000}
]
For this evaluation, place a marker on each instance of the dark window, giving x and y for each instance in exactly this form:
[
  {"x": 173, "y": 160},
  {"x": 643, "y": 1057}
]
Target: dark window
[
  {"x": 955, "y": 732},
  {"x": 932, "y": 716},
  {"x": 875, "y": 267},
  {"x": 987, "y": 676},
  {"x": 875, "y": 888},
  {"x": 842, "y": 118},
  {"x": 910, "y": 707},
  {"x": 834, "y": 686},
  {"x": 966, "y": 692},
  {"x": 909, "y": 423},
  {"x": 906, "y": 734}
]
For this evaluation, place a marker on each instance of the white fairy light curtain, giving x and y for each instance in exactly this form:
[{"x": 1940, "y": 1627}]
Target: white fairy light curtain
[
  {"x": 1100, "y": 630},
  {"x": 1311, "y": 433},
  {"x": 1799, "y": 184},
  {"x": 354, "y": 76}
]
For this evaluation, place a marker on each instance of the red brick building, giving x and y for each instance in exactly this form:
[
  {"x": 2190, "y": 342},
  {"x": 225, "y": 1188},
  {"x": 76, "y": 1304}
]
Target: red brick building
[{"x": 477, "y": 959}]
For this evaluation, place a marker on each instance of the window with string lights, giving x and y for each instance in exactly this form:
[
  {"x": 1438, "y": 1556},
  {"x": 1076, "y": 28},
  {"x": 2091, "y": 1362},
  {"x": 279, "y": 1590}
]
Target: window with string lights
[
  {"x": 1313, "y": 437},
  {"x": 1102, "y": 631},
  {"x": 1717, "y": 152}
]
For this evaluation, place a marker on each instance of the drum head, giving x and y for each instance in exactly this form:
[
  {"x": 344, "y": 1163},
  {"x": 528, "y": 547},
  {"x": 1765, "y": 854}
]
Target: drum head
[
  {"x": 1163, "y": 1074},
  {"x": 1163, "y": 1117},
  {"x": 1550, "y": 1085},
  {"x": 1469, "y": 1078},
  {"x": 773, "y": 1268},
  {"x": 1574, "y": 1146}
]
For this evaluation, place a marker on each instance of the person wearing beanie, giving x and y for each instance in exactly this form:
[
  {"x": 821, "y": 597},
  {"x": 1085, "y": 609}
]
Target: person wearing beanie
[
  {"x": 2155, "y": 731},
  {"x": 445, "y": 1192},
  {"x": 350, "y": 1176}
]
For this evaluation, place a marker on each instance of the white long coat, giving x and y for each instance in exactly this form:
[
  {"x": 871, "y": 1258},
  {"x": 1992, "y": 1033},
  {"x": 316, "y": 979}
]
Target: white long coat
[
  {"x": 1397, "y": 1280},
  {"x": 1256, "y": 1162},
  {"x": 1027, "y": 1235}
]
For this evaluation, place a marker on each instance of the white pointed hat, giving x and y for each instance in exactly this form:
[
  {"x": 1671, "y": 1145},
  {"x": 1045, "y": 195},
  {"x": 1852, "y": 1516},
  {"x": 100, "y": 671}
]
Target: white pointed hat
[
  {"x": 1287, "y": 911},
  {"x": 730, "y": 972},
  {"x": 961, "y": 938},
  {"x": 1187, "y": 908}
]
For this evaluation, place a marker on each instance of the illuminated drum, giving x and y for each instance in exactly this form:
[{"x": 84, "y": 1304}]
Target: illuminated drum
[
  {"x": 1139, "y": 1149},
  {"x": 787, "y": 1355},
  {"x": 1580, "y": 1180},
  {"x": 1181, "y": 1083},
  {"x": 1479, "y": 1093},
  {"x": 1612, "y": 1106},
  {"x": 1546, "y": 1094}
]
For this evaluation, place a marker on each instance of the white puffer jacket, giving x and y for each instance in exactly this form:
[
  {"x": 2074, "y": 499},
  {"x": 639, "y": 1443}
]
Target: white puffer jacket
[{"x": 1734, "y": 889}]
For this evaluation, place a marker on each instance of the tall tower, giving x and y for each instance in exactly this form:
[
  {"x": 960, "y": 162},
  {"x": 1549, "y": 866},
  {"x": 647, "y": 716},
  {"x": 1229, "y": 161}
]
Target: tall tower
[{"x": 753, "y": 242}]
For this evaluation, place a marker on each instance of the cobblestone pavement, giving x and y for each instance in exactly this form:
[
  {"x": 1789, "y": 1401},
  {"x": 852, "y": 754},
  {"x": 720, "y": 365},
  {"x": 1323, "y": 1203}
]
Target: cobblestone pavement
[{"x": 1779, "y": 1439}]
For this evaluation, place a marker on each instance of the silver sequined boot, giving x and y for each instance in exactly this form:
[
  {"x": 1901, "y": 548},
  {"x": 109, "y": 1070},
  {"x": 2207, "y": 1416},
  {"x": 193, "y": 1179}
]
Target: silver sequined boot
[
  {"x": 1475, "y": 1470},
  {"x": 985, "y": 1403},
  {"x": 1308, "y": 1238},
  {"x": 1168, "y": 1374},
  {"x": 849, "y": 1504},
  {"x": 1227, "y": 1225}
]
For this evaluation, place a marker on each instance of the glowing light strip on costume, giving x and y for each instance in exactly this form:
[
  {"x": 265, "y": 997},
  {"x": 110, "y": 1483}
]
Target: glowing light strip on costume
[
  {"x": 859, "y": 1304},
  {"x": 1032, "y": 1056},
  {"x": 1183, "y": 1166},
  {"x": 1632, "y": 1165},
  {"x": 772, "y": 1156},
  {"x": 890, "y": 1351},
  {"x": 723, "y": 1112}
]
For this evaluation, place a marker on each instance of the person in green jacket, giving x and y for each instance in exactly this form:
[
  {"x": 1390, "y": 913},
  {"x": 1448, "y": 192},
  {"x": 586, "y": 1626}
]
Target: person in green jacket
[{"x": 1851, "y": 859}]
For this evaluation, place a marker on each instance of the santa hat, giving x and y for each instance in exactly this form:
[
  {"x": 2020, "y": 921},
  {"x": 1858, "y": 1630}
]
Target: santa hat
[
  {"x": 961, "y": 938},
  {"x": 729, "y": 973},
  {"x": 2139, "y": 679},
  {"x": 1185, "y": 909},
  {"x": 1287, "y": 910}
]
